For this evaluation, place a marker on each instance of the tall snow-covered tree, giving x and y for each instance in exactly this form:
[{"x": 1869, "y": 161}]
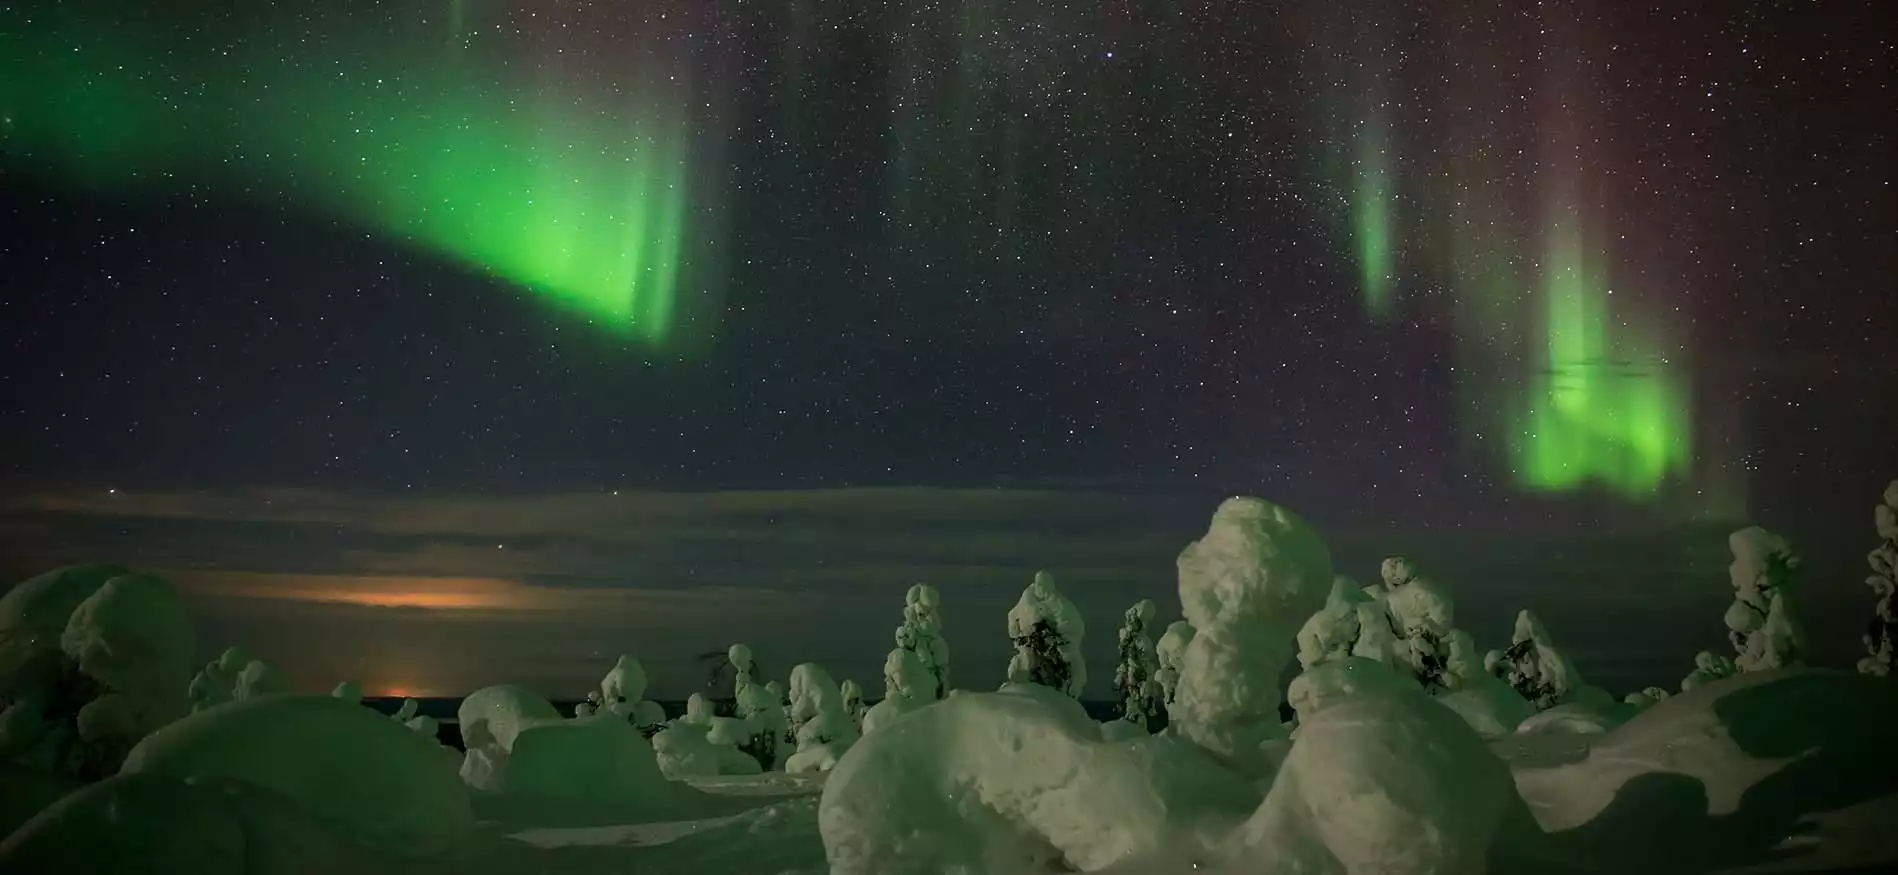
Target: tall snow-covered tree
[
  {"x": 907, "y": 686},
  {"x": 759, "y": 707},
  {"x": 1423, "y": 620},
  {"x": 1881, "y": 634},
  {"x": 820, "y": 727},
  {"x": 1169, "y": 653},
  {"x": 1047, "y": 632},
  {"x": 1760, "y": 622},
  {"x": 1139, "y": 693},
  {"x": 921, "y": 633},
  {"x": 1533, "y": 667},
  {"x": 853, "y": 702}
]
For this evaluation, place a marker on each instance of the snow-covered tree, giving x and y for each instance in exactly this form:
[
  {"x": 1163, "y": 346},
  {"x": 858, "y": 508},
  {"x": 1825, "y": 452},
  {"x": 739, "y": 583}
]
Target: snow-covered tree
[
  {"x": 1533, "y": 667},
  {"x": 1246, "y": 586},
  {"x": 761, "y": 711},
  {"x": 1881, "y": 634},
  {"x": 1423, "y": 620},
  {"x": 622, "y": 691},
  {"x": 822, "y": 728},
  {"x": 1646, "y": 698},
  {"x": 921, "y": 633},
  {"x": 92, "y": 659},
  {"x": 853, "y": 702},
  {"x": 908, "y": 685},
  {"x": 348, "y": 691},
  {"x": 1047, "y": 632},
  {"x": 1169, "y": 653},
  {"x": 1140, "y": 695},
  {"x": 1708, "y": 667},
  {"x": 1760, "y": 622}
]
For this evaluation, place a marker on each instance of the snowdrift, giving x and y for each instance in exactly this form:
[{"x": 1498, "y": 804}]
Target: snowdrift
[
  {"x": 1016, "y": 781},
  {"x": 369, "y": 778}
]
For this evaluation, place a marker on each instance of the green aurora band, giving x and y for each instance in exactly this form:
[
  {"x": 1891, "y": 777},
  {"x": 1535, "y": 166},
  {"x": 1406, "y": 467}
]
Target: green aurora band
[
  {"x": 1371, "y": 222},
  {"x": 577, "y": 203}
]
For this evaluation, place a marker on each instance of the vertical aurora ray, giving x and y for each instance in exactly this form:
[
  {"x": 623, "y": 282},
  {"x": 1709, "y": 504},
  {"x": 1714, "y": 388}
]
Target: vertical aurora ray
[
  {"x": 580, "y": 201},
  {"x": 1371, "y": 221}
]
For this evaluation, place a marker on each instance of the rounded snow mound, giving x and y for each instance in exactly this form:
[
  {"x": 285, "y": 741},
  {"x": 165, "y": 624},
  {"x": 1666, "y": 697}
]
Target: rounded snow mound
[
  {"x": 1382, "y": 780},
  {"x": 1490, "y": 706},
  {"x": 1009, "y": 781},
  {"x": 369, "y": 777},
  {"x": 685, "y": 750},
  {"x": 151, "y": 824},
  {"x": 33, "y": 615},
  {"x": 1578, "y": 718},
  {"x": 489, "y": 720},
  {"x": 1769, "y": 747}
]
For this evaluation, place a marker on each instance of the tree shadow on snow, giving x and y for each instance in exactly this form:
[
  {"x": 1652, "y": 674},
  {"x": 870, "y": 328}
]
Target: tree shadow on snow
[{"x": 1659, "y": 822}]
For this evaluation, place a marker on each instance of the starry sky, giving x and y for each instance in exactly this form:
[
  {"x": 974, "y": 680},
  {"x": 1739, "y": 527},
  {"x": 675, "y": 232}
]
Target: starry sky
[{"x": 465, "y": 341}]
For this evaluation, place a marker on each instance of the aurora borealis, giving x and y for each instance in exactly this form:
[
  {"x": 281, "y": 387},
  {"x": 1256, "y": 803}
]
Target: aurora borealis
[
  {"x": 701, "y": 304},
  {"x": 576, "y": 194}
]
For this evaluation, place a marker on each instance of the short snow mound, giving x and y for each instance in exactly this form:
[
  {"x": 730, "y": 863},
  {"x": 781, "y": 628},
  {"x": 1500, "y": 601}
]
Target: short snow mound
[
  {"x": 149, "y": 824},
  {"x": 369, "y": 777},
  {"x": 1490, "y": 706},
  {"x": 1770, "y": 747},
  {"x": 1010, "y": 781},
  {"x": 1381, "y": 779},
  {"x": 489, "y": 720}
]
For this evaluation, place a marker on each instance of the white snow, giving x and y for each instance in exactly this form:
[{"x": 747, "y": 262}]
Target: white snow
[
  {"x": 1760, "y": 622},
  {"x": 1018, "y": 779},
  {"x": 1440, "y": 656},
  {"x": 1170, "y": 652},
  {"x": 1047, "y": 631},
  {"x": 490, "y": 719},
  {"x": 1381, "y": 779},
  {"x": 1881, "y": 634},
  {"x": 907, "y": 686},
  {"x": 822, "y": 729},
  {"x": 348, "y": 691},
  {"x": 921, "y": 633},
  {"x": 369, "y": 778},
  {"x": 1141, "y": 698},
  {"x": 1246, "y": 587},
  {"x": 1533, "y": 667}
]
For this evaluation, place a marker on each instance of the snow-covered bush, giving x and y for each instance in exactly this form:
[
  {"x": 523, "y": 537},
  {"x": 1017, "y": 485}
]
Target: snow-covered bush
[
  {"x": 407, "y": 710},
  {"x": 600, "y": 759},
  {"x": 1139, "y": 693},
  {"x": 1019, "y": 781},
  {"x": 1760, "y": 622},
  {"x": 907, "y": 686},
  {"x": 216, "y": 683},
  {"x": 822, "y": 728},
  {"x": 1170, "y": 653},
  {"x": 92, "y": 658},
  {"x": 759, "y": 707},
  {"x": 1533, "y": 667},
  {"x": 490, "y": 718},
  {"x": 1645, "y": 698},
  {"x": 686, "y": 748},
  {"x": 1381, "y": 779},
  {"x": 348, "y": 691},
  {"x": 853, "y": 702},
  {"x": 1353, "y": 622},
  {"x": 1881, "y": 634},
  {"x": 1047, "y": 632},
  {"x": 1708, "y": 667},
  {"x": 622, "y": 693},
  {"x": 1489, "y": 706},
  {"x": 921, "y": 633},
  {"x": 1423, "y": 618},
  {"x": 372, "y": 780},
  {"x": 1246, "y": 587}
]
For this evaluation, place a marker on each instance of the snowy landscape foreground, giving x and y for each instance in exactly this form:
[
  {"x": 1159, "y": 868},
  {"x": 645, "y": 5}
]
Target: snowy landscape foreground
[{"x": 1409, "y": 751}]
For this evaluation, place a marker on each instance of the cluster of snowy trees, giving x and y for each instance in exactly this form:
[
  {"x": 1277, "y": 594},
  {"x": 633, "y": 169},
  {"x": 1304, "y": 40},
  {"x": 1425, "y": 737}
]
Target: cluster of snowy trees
[{"x": 1881, "y": 634}]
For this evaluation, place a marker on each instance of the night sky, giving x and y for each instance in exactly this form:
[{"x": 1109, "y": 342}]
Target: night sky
[{"x": 447, "y": 343}]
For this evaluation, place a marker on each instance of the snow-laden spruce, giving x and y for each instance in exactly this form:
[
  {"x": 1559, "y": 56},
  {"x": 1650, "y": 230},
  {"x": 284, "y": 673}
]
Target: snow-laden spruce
[
  {"x": 1533, "y": 667},
  {"x": 853, "y": 702},
  {"x": 759, "y": 707},
  {"x": 1047, "y": 632},
  {"x": 1708, "y": 667},
  {"x": 1169, "y": 654},
  {"x": 1140, "y": 697},
  {"x": 348, "y": 691},
  {"x": 92, "y": 659},
  {"x": 622, "y": 693},
  {"x": 686, "y": 748},
  {"x": 1246, "y": 586},
  {"x": 1881, "y": 634},
  {"x": 1440, "y": 656},
  {"x": 921, "y": 633},
  {"x": 1761, "y": 622},
  {"x": 819, "y": 723},
  {"x": 907, "y": 686},
  {"x": 1353, "y": 622}
]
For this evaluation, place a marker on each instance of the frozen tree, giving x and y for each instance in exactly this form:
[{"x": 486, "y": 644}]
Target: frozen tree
[
  {"x": 822, "y": 728},
  {"x": 92, "y": 659},
  {"x": 1646, "y": 698},
  {"x": 1140, "y": 696},
  {"x": 348, "y": 691},
  {"x": 1423, "y": 620},
  {"x": 921, "y": 633},
  {"x": 622, "y": 692},
  {"x": 1760, "y": 622},
  {"x": 1246, "y": 586},
  {"x": 1168, "y": 653},
  {"x": 258, "y": 678},
  {"x": 853, "y": 702},
  {"x": 1708, "y": 667},
  {"x": 1533, "y": 667},
  {"x": 760, "y": 710},
  {"x": 1047, "y": 631},
  {"x": 907, "y": 686},
  {"x": 1353, "y": 622},
  {"x": 407, "y": 710},
  {"x": 1881, "y": 634}
]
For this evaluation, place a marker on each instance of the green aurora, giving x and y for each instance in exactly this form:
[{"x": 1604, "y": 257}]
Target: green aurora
[{"x": 580, "y": 203}]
